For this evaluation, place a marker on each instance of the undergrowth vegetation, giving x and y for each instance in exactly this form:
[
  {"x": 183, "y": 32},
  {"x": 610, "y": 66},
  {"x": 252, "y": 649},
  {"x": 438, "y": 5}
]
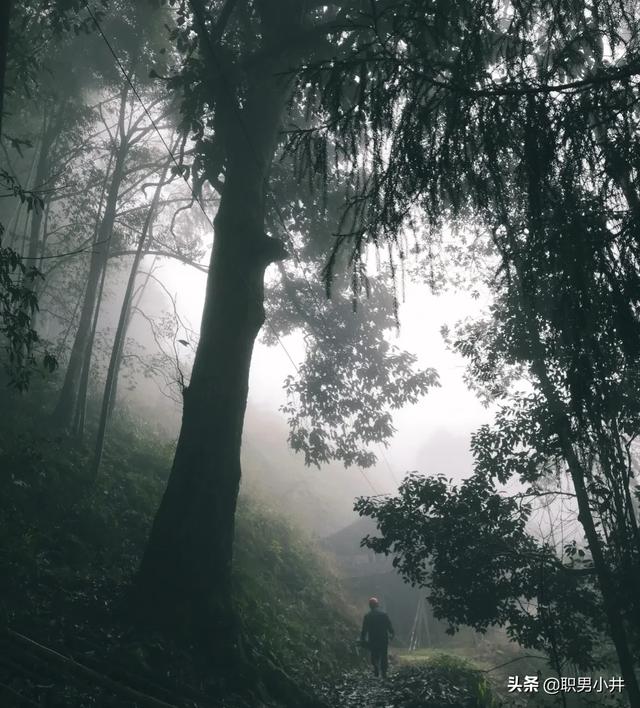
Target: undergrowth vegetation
[
  {"x": 288, "y": 598},
  {"x": 443, "y": 683},
  {"x": 69, "y": 546}
]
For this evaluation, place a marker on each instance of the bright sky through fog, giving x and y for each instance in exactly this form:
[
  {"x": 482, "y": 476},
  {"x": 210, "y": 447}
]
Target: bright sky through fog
[{"x": 433, "y": 435}]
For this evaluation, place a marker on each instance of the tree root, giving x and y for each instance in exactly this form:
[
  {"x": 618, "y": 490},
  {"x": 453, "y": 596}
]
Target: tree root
[{"x": 285, "y": 689}]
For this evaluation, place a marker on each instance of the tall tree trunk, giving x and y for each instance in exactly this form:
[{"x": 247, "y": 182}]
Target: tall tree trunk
[
  {"x": 184, "y": 580},
  {"x": 20, "y": 208},
  {"x": 65, "y": 409},
  {"x": 67, "y": 401},
  {"x": 42, "y": 172},
  {"x": 35, "y": 246},
  {"x": 527, "y": 287},
  {"x": 5, "y": 17},
  {"x": 80, "y": 413},
  {"x": 579, "y": 476},
  {"x": 135, "y": 302},
  {"x": 121, "y": 330},
  {"x": 616, "y": 469},
  {"x": 83, "y": 387}
]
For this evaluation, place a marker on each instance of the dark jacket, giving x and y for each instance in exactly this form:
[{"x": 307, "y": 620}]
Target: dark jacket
[{"x": 376, "y": 628}]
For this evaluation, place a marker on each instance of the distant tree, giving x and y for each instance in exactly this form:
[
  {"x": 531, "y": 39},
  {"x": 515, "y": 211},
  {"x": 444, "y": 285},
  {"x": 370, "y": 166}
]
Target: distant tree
[
  {"x": 26, "y": 25},
  {"x": 129, "y": 164},
  {"x": 340, "y": 401},
  {"x": 20, "y": 23},
  {"x": 18, "y": 303},
  {"x": 115, "y": 359},
  {"x": 5, "y": 17}
]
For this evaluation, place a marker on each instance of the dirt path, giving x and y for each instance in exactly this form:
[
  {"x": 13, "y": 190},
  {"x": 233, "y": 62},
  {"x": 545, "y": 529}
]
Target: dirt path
[{"x": 406, "y": 687}]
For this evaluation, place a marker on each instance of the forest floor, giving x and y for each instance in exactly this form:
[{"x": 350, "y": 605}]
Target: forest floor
[
  {"x": 445, "y": 683},
  {"x": 460, "y": 678},
  {"x": 408, "y": 688},
  {"x": 70, "y": 545}
]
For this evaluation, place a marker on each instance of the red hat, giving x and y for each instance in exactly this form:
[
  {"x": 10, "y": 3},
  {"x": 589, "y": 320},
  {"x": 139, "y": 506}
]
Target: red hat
[{"x": 373, "y": 602}]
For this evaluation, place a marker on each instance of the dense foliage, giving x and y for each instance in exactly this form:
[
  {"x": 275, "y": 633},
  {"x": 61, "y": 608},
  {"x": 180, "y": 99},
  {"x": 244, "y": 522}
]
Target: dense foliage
[
  {"x": 469, "y": 546},
  {"x": 443, "y": 682},
  {"x": 18, "y": 302}
]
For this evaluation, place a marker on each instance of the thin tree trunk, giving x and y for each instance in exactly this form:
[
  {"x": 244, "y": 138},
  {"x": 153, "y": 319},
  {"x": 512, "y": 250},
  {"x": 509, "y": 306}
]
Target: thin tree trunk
[
  {"x": 80, "y": 414},
  {"x": 134, "y": 304},
  {"x": 526, "y": 291},
  {"x": 42, "y": 172},
  {"x": 45, "y": 238},
  {"x": 618, "y": 473},
  {"x": 65, "y": 409},
  {"x": 606, "y": 581},
  {"x": 35, "y": 247},
  {"x": 20, "y": 207},
  {"x": 184, "y": 580},
  {"x": 81, "y": 404},
  {"x": 121, "y": 330}
]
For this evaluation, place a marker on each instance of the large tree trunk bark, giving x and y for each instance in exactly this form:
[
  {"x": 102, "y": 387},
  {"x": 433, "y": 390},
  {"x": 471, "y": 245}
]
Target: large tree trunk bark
[{"x": 184, "y": 582}]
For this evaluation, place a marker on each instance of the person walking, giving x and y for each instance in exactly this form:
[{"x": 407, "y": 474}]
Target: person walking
[{"x": 376, "y": 632}]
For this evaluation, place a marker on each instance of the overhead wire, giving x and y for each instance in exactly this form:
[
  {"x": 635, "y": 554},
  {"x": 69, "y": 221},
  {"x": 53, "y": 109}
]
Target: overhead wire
[{"x": 196, "y": 198}]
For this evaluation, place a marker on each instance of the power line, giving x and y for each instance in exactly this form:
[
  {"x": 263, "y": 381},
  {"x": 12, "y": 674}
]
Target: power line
[{"x": 391, "y": 472}]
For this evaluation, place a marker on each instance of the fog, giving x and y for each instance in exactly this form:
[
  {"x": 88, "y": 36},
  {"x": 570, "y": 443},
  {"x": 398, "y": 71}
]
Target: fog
[{"x": 432, "y": 436}]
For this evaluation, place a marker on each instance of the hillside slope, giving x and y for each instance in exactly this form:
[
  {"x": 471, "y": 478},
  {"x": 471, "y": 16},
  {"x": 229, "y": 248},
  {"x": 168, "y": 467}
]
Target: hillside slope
[{"x": 69, "y": 546}]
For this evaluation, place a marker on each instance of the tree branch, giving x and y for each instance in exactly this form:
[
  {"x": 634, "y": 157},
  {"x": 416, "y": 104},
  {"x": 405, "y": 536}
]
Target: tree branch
[
  {"x": 221, "y": 25},
  {"x": 77, "y": 668},
  {"x": 520, "y": 89},
  {"x": 164, "y": 254},
  {"x": 310, "y": 40}
]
